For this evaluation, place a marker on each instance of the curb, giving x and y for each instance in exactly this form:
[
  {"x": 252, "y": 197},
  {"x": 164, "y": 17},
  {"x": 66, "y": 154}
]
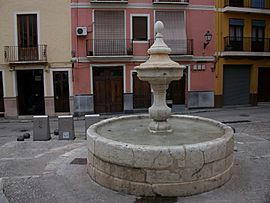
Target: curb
[{"x": 3, "y": 198}]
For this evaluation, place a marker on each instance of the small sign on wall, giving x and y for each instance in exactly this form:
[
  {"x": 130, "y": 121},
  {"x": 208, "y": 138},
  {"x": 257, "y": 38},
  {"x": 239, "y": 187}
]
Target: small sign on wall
[
  {"x": 199, "y": 67},
  {"x": 65, "y": 135}
]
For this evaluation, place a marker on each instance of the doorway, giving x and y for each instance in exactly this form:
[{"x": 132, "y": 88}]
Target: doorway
[
  {"x": 141, "y": 93},
  {"x": 108, "y": 89},
  {"x": 30, "y": 87},
  {"x": 27, "y": 37},
  {"x": 2, "y": 109},
  {"x": 176, "y": 92},
  {"x": 61, "y": 91},
  {"x": 264, "y": 85}
]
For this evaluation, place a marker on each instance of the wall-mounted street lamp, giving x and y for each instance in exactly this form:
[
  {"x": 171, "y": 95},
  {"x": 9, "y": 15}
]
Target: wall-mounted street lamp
[{"x": 207, "y": 38}]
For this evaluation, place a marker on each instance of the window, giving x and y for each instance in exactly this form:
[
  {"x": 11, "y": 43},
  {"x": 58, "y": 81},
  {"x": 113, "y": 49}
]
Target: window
[
  {"x": 236, "y": 29},
  {"x": 258, "y": 29},
  {"x": 236, "y": 3},
  {"x": 257, "y": 4},
  {"x": 27, "y": 30},
  {"x": 27, "y": 37},
  {"x": 235, "y": 42},
  {"x": 139, "y": 28},
  {"x": 175, "y": 32}
]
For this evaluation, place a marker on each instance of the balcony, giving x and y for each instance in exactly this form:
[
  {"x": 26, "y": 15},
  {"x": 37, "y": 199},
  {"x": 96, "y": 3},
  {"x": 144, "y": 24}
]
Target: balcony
[
  {"x": 122, "y": 49},
  {"x": 246, "y": 46},
  {"x": 109, "y": 48},
  {"x": 171, "y": 1},
  {"x": 249, "y": 6},
  {"x": 109, "y": 1},
  {"x": 178, "y": 47},
  {"x": 16, "y": 54}
]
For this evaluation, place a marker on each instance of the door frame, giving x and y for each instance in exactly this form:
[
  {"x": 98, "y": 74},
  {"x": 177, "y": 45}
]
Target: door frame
[
  {"x": 69, "y": 80},
  {"x": 16, "y": 29},
  {"x": 108, "y": 66},
  {"x": 3, "y": 85},
  {"x": 70, "y": 84},
  {"x": 4, "y": 81}
]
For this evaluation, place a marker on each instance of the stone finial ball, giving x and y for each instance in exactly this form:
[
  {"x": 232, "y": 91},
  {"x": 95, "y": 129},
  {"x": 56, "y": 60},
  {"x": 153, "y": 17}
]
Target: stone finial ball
[{"x": 159, "y": 26}]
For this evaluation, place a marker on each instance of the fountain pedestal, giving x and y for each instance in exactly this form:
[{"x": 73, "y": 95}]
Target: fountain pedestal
[{"x": 159, "y": 71}]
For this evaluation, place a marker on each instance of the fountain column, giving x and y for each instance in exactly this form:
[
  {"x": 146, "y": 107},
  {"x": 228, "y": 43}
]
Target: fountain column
[{"x": 159, "y": 70}]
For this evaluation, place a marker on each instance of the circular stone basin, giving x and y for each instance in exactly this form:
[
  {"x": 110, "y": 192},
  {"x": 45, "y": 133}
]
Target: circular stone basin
[{"x": 124, "y": 156}]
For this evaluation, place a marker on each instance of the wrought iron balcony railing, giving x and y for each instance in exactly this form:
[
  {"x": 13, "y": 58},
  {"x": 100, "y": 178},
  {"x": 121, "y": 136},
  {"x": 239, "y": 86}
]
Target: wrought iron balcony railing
[
  {"x": 260, "y": 4},
  {"x": 25, "y": 54},
  {"x": 179, "y": 47},
  {"x": 109, "y": 47},
  {"x": 249, "y": 44},
  {"x": 171, "y": 1}
]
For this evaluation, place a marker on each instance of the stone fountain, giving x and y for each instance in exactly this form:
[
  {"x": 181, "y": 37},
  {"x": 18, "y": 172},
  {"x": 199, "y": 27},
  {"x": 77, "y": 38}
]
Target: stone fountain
[{"x": 160, "y": 154}]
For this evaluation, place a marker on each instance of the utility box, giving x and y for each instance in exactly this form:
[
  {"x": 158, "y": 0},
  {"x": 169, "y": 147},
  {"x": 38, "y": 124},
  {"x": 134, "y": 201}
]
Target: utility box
[
  {"x": 66, "y": 127},
  {"x": 90, "y": 120},
  {"x": 41, "y": 128}
]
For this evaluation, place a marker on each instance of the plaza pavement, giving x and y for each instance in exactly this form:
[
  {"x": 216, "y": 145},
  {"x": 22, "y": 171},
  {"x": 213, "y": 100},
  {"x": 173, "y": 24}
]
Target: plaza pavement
[{"x": 42, "y": 172}]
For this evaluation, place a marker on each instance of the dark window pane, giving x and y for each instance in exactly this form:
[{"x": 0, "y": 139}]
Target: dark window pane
[{"x": 139, "y": 28}]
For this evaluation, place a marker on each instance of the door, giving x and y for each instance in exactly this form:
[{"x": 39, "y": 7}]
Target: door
[
  {"x": 61, "y": 91},
  {"x": 30, "y": 92},
  {"x": 264, "y": 85},
  {"x": 236, "y": 85},
  {"x": 141, "y": 93},
  {"x": 108, "y": 89},
  {"x": 27, "y": 37},
  {"x": 2, "y": 109},
  {"x": 176, "y": 91}
]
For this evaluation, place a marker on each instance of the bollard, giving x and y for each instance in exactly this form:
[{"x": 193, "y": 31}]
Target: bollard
[
  {"x": 66, "y": 127},
  {"x": 41, "y": 128},
  {"x": 90, "y": 120}
]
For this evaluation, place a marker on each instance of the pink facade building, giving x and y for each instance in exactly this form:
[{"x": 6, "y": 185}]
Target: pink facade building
[{"x": 110, "y": 38}]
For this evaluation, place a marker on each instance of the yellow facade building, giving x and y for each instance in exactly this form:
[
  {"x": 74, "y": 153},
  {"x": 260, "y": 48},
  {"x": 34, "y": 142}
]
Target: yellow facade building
[
  {"x": 35, "y": 58},
  {"x": 242, "y": 52}
]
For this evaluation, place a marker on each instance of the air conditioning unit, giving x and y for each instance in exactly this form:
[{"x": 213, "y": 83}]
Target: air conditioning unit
[{"x": 81, "y": 31}]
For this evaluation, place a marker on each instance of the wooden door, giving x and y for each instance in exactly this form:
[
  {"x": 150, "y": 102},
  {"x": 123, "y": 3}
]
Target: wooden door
[
  {"x": 30, "y": 92},
  {"x": 108, "y": 89},
  {"x": 141, "y": 93},
  {"x": 264, "y": 85},
  {"x": 61, "y": 91},
  {"x": 115, "y": 90},
  {"x": 27, "y": 37},
  {"x": 2, "y": 109}
]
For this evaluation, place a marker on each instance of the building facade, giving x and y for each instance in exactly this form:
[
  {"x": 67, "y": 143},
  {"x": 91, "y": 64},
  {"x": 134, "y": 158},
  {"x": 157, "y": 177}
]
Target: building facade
[
  {"x": 243, "y": 51},
  {"x": 110, "y": 38},
  {"x": 35, "y": 58}
]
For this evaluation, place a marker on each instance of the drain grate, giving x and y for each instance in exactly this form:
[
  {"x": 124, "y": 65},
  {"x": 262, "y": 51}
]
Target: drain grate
[
  {"x": 244, "y": 115},
  {"x": 239, "y": 121},
  {"x": 156, "y": 199},
  {"x": 79, "y": 161}
]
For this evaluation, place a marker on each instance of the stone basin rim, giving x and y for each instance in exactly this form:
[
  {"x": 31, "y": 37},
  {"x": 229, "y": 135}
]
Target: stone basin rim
[{"x": 92, "y": 132}]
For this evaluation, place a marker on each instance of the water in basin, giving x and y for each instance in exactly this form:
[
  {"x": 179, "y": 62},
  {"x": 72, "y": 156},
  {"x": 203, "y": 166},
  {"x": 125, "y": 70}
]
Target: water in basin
[{"x": 185, "y": 131}]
